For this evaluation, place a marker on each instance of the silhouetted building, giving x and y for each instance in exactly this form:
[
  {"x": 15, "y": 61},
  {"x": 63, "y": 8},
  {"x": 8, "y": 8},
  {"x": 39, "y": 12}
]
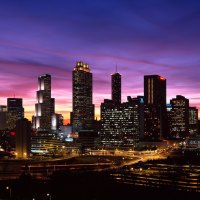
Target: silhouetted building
[
  {"x": 23, "y": 138},
  {"x": 15, "y": 111},
  {"x": 45, "y": 106},
  {"x": 179, "y": 122},
  {"x": 198, "y": 125},
  {"x": 193, "y": 121},
  {"x": 155, "y": 115},
  {"x": 83, "y": 108},
  {"x": 116, "y": 88},
  {"x": 15, "y": 105},
  {"x": 88, "y": 138},
  {"x": 122, "y": 124},
  {"x": 3, "y": 117}
]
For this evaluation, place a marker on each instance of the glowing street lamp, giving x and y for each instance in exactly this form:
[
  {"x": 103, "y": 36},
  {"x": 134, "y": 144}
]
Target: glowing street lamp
[
  {"x": 10, "y": 191},
  {"x": 49, "y": 196}
]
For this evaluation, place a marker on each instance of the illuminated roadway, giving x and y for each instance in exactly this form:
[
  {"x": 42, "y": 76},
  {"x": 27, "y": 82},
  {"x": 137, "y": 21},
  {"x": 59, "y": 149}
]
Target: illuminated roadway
[{"x": 11, "y": 169}]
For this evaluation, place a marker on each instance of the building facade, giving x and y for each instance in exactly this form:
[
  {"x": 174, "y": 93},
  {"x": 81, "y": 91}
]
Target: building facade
[
  {"x": 122, "y": 124},
  {"x": 56, "y": 121},
  {"x": 116, "y": 88},
  {"x": 179, "y": 122},
  {"x": 45, "y": 106},
  {"x": 15, "y": 111},
  {"x": 82, "y": 116},
  {"x": 3, "y": 117},
  {"x": 155, "y": 114},
  {"x": 23, "y": 138},
  {"x": 193, "y": 121}
]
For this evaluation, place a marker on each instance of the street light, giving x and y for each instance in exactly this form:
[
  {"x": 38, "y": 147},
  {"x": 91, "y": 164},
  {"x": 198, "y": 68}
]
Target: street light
[
  {"x": 9, "y": 188},
  {"x": 49, "y": 196}
]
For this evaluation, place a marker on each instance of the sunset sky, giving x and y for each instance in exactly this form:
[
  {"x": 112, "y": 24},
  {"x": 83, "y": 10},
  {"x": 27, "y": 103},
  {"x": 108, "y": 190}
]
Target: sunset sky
[{"x": 141, "y": 37}]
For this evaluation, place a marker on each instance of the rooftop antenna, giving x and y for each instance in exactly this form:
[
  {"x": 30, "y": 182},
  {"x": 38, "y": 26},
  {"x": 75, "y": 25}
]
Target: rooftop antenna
[
  {"x": 116, "y": 68},
  {"x": 14, "y": 95}
]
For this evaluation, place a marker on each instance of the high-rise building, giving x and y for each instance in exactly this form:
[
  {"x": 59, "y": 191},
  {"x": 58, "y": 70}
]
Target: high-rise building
[
  {"x": 15, "y": 105},
  {"x": 45, "y": 106},
  {"x": 3, "y": 117},
  {"x": 154, "y": 90},
  {"x": 193, "y": 121},
  {"x": 15, "y": 111},
  {"x": 179, "y": 122},
  {"x": 122, "y": 124},
  {"x": 57, "y": 121},
  {"x": 155, "y": 107},
  {"x": 23, "y": 138},
  {"x": 83, "y": 108},
  {"x": 116, "y": 88}
]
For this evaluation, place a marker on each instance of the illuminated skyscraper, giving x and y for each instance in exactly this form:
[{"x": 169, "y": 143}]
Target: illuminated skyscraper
[
  {"x": 179, "y": 123},
  {"x": 15, "y": 105},
  {"x": 83, "y": 109},
  {"x": 45, "y": 106},
  {"x": 3, "y": 117},
  {"x": 15, "y": 111},
  {"x": 193, "y": 121},
  {"x": 116, "y": 88},
  {"x": 155, "y": 107}
]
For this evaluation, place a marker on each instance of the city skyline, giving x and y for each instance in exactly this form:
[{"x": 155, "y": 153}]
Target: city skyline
[{"x": 51, "y": 38}]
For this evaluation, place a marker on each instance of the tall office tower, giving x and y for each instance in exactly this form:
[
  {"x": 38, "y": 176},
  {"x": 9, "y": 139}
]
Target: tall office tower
[
  {"x": 15, "y": 105},
  {"x": 45, "y": 106},
  {"x": 116, "y": 88},
  {"x": 155, "y": 115},
  {"x": 83, "y": 109},
  {"x": 193, "y": 121},
  {"x": 23, "y": 138},
  {"x": 154, "y": 90},
  {"x": 122, "y": 124},
  {"x": 179, "y": 123},
  {"x": 3, "y": 117},
  {"x": 15, "y": 111}
]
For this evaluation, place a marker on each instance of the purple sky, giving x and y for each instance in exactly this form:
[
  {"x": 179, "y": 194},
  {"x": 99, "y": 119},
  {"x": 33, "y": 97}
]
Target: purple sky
[{"x": 141, "y": 37}]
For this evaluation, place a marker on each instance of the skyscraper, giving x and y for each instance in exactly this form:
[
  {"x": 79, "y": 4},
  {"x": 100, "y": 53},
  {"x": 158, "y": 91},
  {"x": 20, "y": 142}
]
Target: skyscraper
[
  {"x": 15, "y": 105},
  {"x": 179, "y": 122},
  {"x": 45, "y": 106},
  {"x": 15, "y": 111},
  {"x": 193, "y": 121},
  {"x": 154, "y": 90},
  {"x": 83, "y": 108},
  {"x": 116, "y": 88},
  {"x": 155, "y": 107},
  {"x": 3, "y": 117},
  {"x": 23, "y": 138}
]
